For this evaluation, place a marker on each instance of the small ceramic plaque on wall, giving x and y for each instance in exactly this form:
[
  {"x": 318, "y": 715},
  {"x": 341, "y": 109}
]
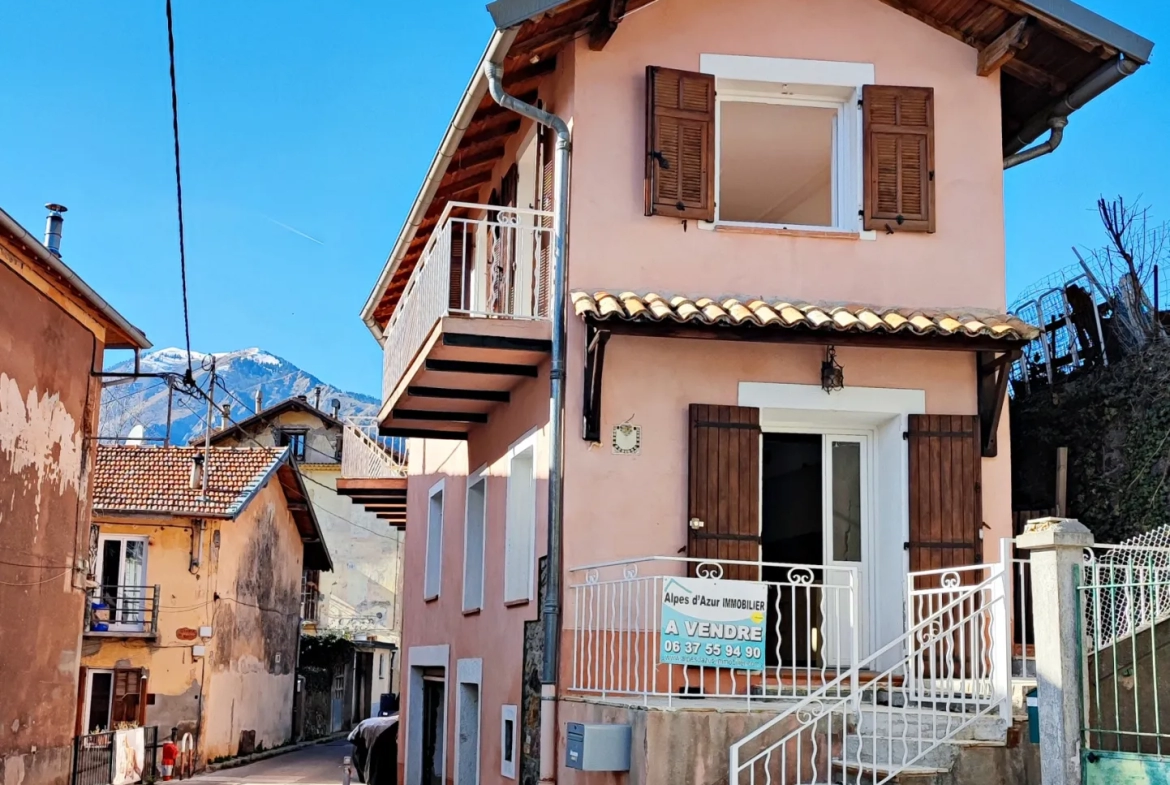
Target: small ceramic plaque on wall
[{"x": 627, "y": 439}]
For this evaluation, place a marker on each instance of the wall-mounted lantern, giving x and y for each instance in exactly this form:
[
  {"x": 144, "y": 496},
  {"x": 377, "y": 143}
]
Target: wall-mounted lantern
[{"x": 832, "y": 374}]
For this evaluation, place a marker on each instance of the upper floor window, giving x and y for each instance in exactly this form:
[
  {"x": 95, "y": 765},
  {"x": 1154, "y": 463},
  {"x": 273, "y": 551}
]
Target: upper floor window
[
  {"x": 433, "y": 576},
  {"x": 520, "y": 523},
  {"x": 776, "y": 143},
  {"x": 294, "y": 439}
]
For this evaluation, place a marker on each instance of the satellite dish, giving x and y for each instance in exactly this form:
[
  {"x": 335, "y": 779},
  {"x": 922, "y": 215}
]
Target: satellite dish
[{"x": 135, "y": 437}]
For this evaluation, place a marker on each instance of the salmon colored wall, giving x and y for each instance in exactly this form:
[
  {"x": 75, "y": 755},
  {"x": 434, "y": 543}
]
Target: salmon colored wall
[
  {"x": 496, "y": 634},
  {"x": 615, "y": 247},
  {"x": 621, "y": 506}
]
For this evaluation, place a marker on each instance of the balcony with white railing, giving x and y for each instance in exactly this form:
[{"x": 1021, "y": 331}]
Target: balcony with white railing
[
  {"x": 373, "y": 470},
  {"x": 471, "y": 323}
]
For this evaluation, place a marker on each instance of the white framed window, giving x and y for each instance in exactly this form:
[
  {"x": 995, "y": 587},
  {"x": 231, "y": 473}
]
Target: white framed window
[
  {"x": 508, "y": 741},
  {"x": 520, "y": 522},
  {"x": 788, "y": 142},
  {"x": 432, "y": 580},
  {"x": 474, "y": 531},
  {"x": 122, "y": 589}
]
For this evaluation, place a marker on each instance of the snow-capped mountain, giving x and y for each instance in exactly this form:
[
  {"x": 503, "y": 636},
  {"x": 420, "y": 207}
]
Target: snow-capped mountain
[{"x": 244, "y": 372}]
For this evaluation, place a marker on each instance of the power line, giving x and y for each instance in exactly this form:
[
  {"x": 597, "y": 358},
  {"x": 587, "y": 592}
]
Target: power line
[
  {"x": 37, "y": 583},
  {"x": 179, "y": 187}
]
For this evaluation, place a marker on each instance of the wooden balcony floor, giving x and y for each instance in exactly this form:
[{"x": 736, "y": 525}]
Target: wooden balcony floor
[{"x": 466, "y": 368}]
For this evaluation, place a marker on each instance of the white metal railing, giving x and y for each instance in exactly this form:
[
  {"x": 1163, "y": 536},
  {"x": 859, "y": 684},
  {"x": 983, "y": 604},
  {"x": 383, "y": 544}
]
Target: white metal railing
[
  {"x": 1024, "y": 653},
  {"x": 952, "y": 671},
  {"x": 366, "y": 455},
  {"x": 1124, "y": 596},
  {"x": 482, "y": 261},
  {"x": 812, "y": 621}
]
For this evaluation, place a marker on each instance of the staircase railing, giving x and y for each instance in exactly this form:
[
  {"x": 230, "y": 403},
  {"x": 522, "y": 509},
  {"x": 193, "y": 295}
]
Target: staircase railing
[
  {"x": 952, "y": 668},
  {"x": 364, "y": 457}
]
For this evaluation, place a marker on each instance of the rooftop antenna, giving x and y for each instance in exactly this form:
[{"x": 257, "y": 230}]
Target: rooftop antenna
[{"x": 207, "y": 427}]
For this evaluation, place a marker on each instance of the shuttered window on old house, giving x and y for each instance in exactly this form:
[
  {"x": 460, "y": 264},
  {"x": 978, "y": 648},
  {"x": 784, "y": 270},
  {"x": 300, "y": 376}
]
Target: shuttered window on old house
[
  {"x": 129, "y": 698},
  {"x": 548, "y": 141},
  {"x": 724, "y": 488},
  {"x": 462, "y": 259},
  {"x": 898, "y": 123},
  {"x": 680, "y": 143}
]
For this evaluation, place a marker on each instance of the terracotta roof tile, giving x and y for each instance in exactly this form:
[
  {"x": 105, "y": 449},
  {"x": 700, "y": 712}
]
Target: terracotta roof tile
[
  {"x": 157, "y": 479},
  {"x": 838, "y": 317}
]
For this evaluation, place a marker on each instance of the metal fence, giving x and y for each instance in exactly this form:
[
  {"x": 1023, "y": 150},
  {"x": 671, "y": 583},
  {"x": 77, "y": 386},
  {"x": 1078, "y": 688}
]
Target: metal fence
[
  {"x": 811, "y": 635},
  {"x": 124, "y": 609},
  {"x": 1124, "y": 595},
  {"x": 96, "y": 759}
]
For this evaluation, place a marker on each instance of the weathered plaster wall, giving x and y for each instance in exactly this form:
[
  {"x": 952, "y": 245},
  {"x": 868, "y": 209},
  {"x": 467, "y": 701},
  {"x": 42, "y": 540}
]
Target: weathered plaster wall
[
  {"x": 360, "y": 594},
  {"x": 322, "y": 444},
  {"x": 257, "y": 621},
  {"x": 48, "y": 404},
  {"x": 186, "y": 603}
]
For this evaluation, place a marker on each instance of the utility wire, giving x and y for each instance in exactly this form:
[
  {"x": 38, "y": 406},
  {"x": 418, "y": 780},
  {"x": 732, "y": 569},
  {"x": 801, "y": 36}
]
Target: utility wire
[
  {"x": 37, "y": 583},
  {"x": 179, "y": 189}
]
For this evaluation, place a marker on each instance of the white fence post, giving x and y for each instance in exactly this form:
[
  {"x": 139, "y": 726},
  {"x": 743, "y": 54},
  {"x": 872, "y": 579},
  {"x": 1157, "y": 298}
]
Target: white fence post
[
  {"x": 1057, "y": 547},
  {"x": 1001, "y": 632}
]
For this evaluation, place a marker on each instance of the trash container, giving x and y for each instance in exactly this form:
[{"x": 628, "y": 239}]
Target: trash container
[{"x": 1033, "y": 716}]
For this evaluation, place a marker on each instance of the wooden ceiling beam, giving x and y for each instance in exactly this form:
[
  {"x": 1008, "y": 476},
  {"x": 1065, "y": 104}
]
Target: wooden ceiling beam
[
  {"x": 911, "y": 11},
  {"x": 1062, "y": 30},
  {"x": 1013, "y": 40},
  {"x": 606, "y": 24},
  {"x": 493, "y": 132},
  {"x": 464, "y": 185},
  {"x": 1031, "y": 75},
  {"x": 554, "y": 37}
]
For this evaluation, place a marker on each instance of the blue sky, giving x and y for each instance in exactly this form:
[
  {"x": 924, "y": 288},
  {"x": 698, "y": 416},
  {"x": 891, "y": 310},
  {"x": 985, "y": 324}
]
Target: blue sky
[{"x": 323, "y": 117}]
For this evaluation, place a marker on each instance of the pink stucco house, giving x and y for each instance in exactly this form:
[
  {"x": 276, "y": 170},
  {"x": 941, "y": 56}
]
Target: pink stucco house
[{"x": 755, "y": 249}]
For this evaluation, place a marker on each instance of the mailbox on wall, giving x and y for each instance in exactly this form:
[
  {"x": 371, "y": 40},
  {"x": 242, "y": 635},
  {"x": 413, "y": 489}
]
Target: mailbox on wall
[{"x": 598, "y": 747}]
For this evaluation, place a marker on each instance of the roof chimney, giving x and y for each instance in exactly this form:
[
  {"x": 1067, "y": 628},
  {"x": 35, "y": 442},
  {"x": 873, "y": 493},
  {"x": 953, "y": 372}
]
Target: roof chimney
[
  {"x": 196, "y": 472},
  {"x": 225, "y": 414},
  {"x": 53, "y": 228},
  {"x": 317, "y": 400},
  {"x": 259, "y": 401},
  {"x": 335, "y": 405}
]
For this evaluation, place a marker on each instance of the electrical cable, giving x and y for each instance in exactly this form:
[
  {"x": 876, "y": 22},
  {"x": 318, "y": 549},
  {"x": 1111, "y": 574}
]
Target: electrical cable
[
  {"x": 179, "y": 189},
  {"x": 38, "y": 583}
]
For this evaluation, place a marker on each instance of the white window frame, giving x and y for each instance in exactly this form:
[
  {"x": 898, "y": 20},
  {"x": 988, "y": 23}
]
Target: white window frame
[
  {"x": 473, "y": 590},
  {"x": 433, "y": 568},
  {"x": 89, "y": 674},
  {"x": 508, "y": 767},
  {"x": 527, "y": 546},
  {"x": 132, "y": 605},
  {"x": 732, "y": 72}
]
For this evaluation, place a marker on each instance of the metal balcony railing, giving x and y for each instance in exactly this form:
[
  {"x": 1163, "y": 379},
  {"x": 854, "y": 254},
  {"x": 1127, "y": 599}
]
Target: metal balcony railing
[
  {"x": 482, "y": 261},
  {"x": 123, "y": 609}
]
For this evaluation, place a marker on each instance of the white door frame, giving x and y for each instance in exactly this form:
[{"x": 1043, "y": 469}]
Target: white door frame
[
  {"x": 882, "y": 414},
  {"x": 89, "y": 674},
  {"x": 419, "y": 658},
  {"x": 469, "y": 671}
]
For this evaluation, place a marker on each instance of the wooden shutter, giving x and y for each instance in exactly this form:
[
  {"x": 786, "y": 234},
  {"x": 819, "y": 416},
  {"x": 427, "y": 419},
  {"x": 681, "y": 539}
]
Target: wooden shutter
[
  {"x": 544, "y": 262},
  {"x": 946, "y": 511},
  {"x": 724, "y": 491},
  {"x": 127, "y": 698},
  {"x": 899, "y": 158},
  {"x": 680, "y": 143},
  {"x": 462, "y": 250}
]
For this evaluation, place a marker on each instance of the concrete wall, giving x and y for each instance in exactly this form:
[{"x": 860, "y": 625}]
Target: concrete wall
[{"x": 48, "y": 409}]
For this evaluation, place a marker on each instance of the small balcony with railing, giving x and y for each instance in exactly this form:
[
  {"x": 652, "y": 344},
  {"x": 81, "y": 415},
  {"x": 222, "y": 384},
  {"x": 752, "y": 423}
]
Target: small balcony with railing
[
  {"x": 472, "y": 321},
  {"x": 373, "y": 470},
  {"x": 122, "y": 612}
]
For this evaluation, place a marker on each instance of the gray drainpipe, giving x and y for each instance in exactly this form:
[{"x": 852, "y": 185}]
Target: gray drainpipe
[
  {"x": 551, "y": 609},
  {"x": 1056, "y": 117}
]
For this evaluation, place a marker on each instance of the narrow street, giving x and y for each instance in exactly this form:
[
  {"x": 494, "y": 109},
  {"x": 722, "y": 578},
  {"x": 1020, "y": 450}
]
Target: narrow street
[{"x": 319, "y": 764}]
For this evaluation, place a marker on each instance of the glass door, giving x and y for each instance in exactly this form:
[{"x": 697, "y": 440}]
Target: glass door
[
  {"x": 121, "y": 571},
  {"x": 845, "y": 489}
]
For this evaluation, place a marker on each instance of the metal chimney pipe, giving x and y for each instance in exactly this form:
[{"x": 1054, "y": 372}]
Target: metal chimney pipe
[
  {"x": 53, "y": 226},
  {"x": 259, "y": 401}
]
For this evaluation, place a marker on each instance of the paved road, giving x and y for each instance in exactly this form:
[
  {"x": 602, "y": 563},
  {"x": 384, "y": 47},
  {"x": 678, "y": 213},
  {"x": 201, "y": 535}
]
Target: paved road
[{"x": 319, "y": 764}]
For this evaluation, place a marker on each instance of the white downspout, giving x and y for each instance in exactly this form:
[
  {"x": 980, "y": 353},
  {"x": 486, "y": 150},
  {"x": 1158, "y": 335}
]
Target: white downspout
[{"x": 551, "y": 608}]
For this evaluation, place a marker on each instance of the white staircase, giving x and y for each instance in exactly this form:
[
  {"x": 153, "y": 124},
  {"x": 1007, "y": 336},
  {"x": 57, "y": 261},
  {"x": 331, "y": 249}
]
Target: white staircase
[{"x": 903, "y": 713}]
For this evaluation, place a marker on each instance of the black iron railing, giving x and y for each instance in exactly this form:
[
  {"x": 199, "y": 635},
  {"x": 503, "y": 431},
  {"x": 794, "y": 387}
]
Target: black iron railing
[
  {"x": 99, "y": 758},
  {"x": 123, "y": 609}
]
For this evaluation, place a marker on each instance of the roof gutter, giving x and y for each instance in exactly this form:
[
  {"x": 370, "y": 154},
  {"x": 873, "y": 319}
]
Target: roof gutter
[
  {"x": 551, "y": 606},
  {"x": 476, "y": 89},
  {"x": 1055, "y": 117},
  {"x": 48, "y": 259}
]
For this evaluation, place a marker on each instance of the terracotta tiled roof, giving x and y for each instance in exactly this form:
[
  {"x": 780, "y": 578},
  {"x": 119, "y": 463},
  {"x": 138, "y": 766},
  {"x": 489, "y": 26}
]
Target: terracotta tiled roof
[
  {"x": 158, "y": 479},
  {"x": 849, "y": 318}
]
